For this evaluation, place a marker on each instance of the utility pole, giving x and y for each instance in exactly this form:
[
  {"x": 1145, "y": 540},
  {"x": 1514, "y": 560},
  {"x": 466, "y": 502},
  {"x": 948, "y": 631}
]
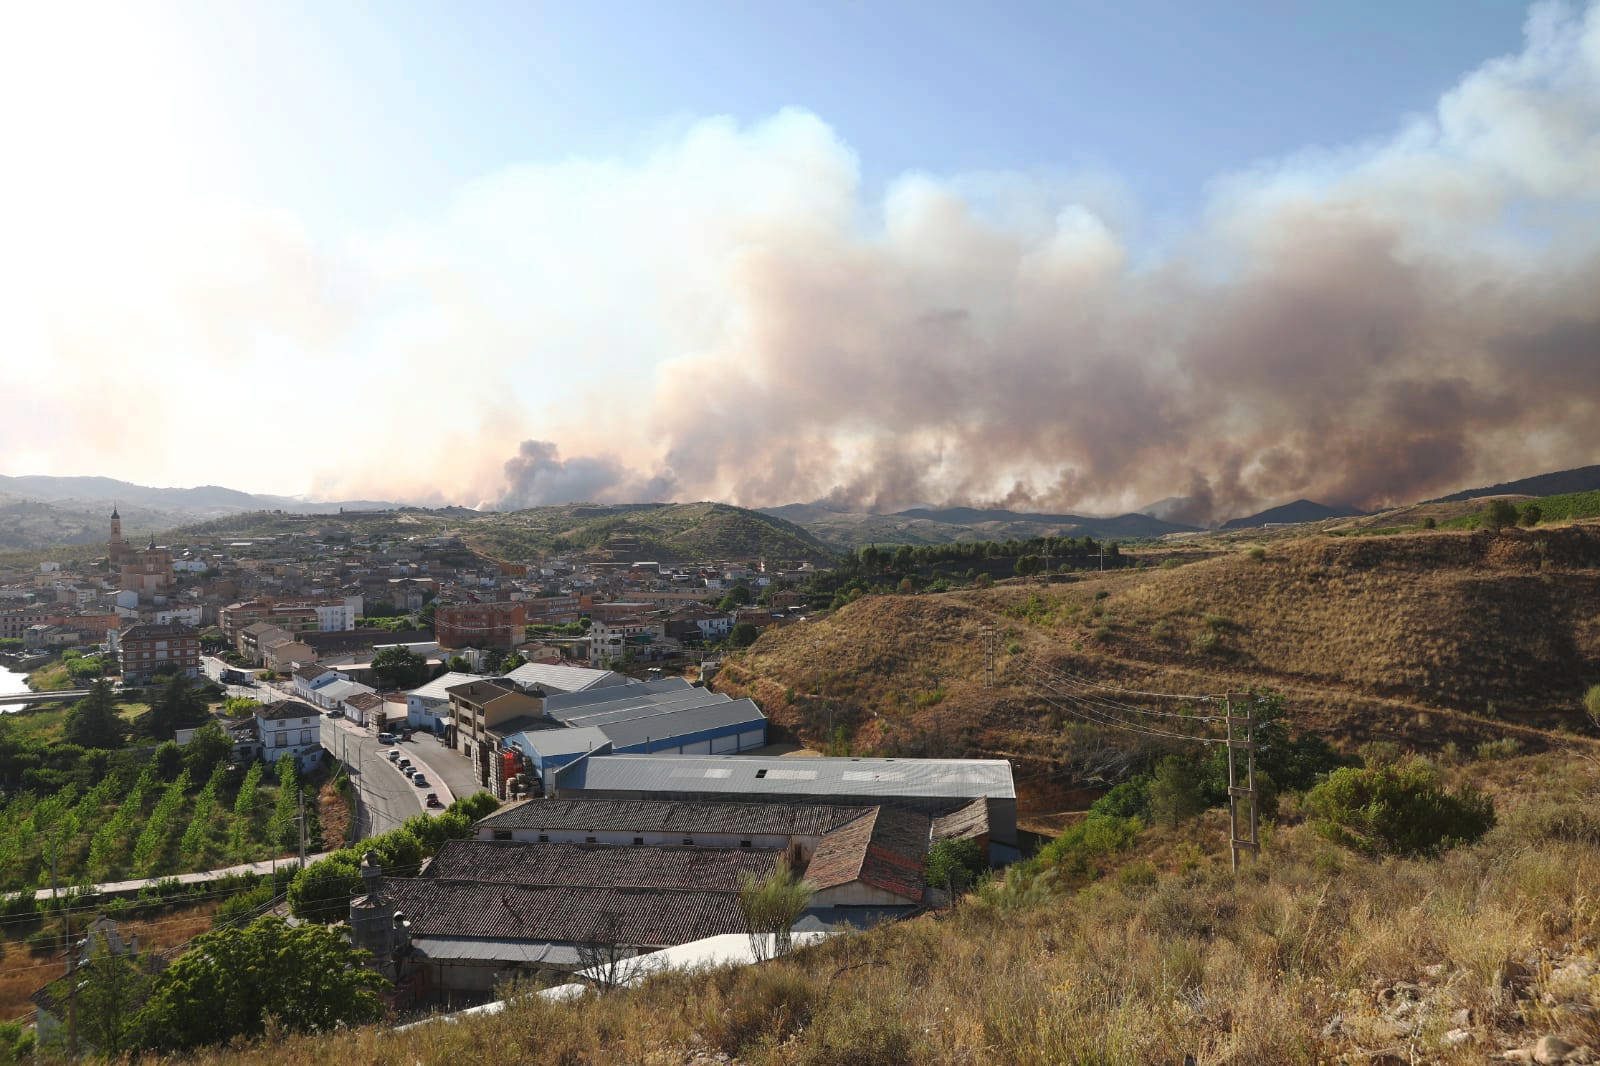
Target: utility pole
[
  {"x": 989, "y": 655},
  {"x": 1237, "y": 792}
]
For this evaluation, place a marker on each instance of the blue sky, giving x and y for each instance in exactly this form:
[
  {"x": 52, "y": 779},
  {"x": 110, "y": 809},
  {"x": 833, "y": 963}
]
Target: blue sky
[{"x": 368, "y": 112}]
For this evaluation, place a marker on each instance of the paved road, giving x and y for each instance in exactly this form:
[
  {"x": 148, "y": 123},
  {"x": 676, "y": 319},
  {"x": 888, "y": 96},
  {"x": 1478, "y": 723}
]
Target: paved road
[
  {"x": 446, "y": 765},
  {"x": 124, "y": 887},
  {"x": 387, "y": 797}
]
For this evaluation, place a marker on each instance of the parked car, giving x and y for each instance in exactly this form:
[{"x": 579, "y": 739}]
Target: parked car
[
  {"x": 385, "y": 738},
  {"x": 404, "y": 763},
  {"x": 393, "y": 755},
  {"x": 418, "y": 780},
  {"x": 333, "y": 714},
  {"x": 433, "y": 800}
]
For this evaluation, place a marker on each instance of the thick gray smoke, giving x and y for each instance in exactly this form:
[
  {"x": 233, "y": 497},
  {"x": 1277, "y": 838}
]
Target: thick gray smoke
[{"x": 1362, "y": 327}]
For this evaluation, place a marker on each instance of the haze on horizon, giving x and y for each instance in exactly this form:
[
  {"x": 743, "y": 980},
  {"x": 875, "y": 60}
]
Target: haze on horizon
[{"x": 1062, "y": 260}]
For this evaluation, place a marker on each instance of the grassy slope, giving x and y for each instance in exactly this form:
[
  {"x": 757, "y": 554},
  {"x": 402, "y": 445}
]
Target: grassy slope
[
  {"x": 1169, "y": 955},
  {"x": 1564, "y": 508},
  {"x": 1408, "y": 636}
]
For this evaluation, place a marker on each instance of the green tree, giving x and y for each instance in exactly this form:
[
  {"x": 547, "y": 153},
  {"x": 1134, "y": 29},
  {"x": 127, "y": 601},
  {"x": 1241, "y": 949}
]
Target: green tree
[
  {"x": 399, "y": 667},
  {"x": 1500, "y": 514},
  {"x": 208, "y": 748},
  {"x": 1591, "y": 705},
  {"x": 93, "y": 721},
  {"x": 743, "y": 635},
  {"x": 322, "y": 891},
  {"x": 1175, "y": 793},
  {"x": 1532, "y": 514},
  {"x": 177, "y": 706},
  {"x": 1028, "y": 565},
  {"x": 111, "y": 989},
  {"x": 229, "y": 981}
]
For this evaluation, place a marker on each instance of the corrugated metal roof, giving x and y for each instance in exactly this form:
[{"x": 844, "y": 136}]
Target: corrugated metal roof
[
  {"x": 550, "y": 742},
  {"x": 681, "y": 723},
  {"x": 436, "y": 689},
  {"x": 561, "y": 679},
  {"x": 563, "y": 700},
  {"x": 483, "y": 949},
  {"x": 774, "y": 775},
  {"x": 636, "y": 707}
]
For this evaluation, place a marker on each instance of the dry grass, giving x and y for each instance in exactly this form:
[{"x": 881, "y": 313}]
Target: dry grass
[
  {"x": 1135, "y": 969},
  {"x": 1423, "y": 639}
]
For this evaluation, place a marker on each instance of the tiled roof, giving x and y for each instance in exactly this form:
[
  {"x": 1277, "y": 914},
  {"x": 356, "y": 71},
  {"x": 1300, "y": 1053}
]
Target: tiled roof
[
  {"x": 154, "y": 631},
  {"x": 600, "y": 865},
  {"x": 638, "y": 917},
  {"x": 885, "y": 848},
  {"x": 287, "y": 709},
  {"x": 668, "y": 816},
  {"x": 970, "y": 822},
  {"x": 311, "y": 671},
  {"x": 848, "y": 778}
]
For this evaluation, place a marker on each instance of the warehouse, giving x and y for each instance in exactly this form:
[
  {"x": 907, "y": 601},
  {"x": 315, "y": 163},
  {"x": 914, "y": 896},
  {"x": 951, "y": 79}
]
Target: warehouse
[
  {"x": 656, "y": 717},
  {"x": 937, "y": 787}
]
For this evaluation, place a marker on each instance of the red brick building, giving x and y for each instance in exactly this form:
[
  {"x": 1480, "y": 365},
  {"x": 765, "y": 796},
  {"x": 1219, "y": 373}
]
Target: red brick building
[
  {"x": 479, "y": 625},
  {"x": 145, "y": 649}
]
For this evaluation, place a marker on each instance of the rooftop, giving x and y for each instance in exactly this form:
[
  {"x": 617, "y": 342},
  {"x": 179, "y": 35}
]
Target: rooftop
[
  {"x": 552, "y": 678},
  {"x": 672, "y": 816},
  {"x": 777, "y": 776},
  {"x": 599, "y": 865},
  {"x": 281, "y": 709}
]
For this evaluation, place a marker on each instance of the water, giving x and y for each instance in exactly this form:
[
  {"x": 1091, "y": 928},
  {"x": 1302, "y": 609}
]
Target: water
[{"x": 11, "y": 681}]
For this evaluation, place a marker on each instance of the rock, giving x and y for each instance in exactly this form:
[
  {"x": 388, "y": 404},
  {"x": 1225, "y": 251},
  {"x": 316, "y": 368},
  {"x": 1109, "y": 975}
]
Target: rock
[
  {"x": 1457, "y": 1037},
  {"x": 1334, "y": 1027},
  {"x": 1552, "y": 1051},
  {"x": 1435, "y": 971},
  {"x": 1462, "y": 1019}
]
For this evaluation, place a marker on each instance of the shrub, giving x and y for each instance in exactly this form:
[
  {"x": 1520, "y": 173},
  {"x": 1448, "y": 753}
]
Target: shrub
[
  {"x": 1430, "y": 523},
  {"x": 1591, "y": 705},
  {"x": 1397, "y": 809},
  {"x": 1531, "y": 514},
  {"x": 1500, "y": 514},
  {"x": 1504, "y": 748},
  {"x": 955, "y": 864},
  {"x": 1130, "y": 799},
  {"x": 1258, "y": 553},
  {"x": 1078, "y": 854}
]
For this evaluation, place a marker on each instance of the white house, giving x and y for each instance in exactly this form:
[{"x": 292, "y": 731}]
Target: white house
[
  {"x": 428, "y": 707},
  {"x": 290, "y": 727}
]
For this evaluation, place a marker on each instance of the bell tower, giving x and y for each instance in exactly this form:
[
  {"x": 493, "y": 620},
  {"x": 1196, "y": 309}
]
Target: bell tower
[{"x": 118, "y": 549}]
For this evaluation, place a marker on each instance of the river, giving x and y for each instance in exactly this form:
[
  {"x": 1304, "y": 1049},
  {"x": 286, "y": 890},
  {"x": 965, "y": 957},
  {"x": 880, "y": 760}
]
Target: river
[{"x": 11, "y": 681}]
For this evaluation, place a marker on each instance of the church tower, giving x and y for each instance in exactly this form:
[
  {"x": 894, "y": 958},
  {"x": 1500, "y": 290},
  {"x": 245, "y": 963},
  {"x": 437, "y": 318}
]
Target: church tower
[{"x": 118, "y": 549}]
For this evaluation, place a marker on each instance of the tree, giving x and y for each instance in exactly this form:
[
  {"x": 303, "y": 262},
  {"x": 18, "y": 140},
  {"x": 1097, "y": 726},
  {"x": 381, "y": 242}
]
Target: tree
[
  {"x": 1175, "y": 791},
  {"x": 229, "y": 981},
  {"x": 954, "y": 864},
  {"x": 770, "y": 907},
  {"x": 112, "y": 987},
  {"x": 177, "y": 706},
  {"x": 1028, "y": 565},
  {"x": 605, "y": 960},
  {"x": 208, "y": 747},
  {"x": 743, "y": 635},
  {"x": 93, "y": 722},
  {"x": 1591, "y": 705},
  {"x": 1500, "y": 514},
  {"x": 459, "y": 665},
  {"x": 399, "y": 667},
  {"x": 322, "y": 891},
  {"x": 1532, "y": 514}
]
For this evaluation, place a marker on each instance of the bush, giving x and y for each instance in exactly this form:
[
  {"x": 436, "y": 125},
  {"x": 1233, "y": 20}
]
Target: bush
[
  {"x": 1078, "y": 854},
  {"x": 1531, "y": 514},
  {"x": 1397, "y": 809},
  {"x": 955, "y": 864},
  {"x": 1504, "y": 748},
  {"x": 1258, "y": 553},
  {"x": 1130, "y": 799},
  {"x": 1500, "y": 514},
  {"x": 1175, "y": 791},
  {"x": 1591, "y": 705}
]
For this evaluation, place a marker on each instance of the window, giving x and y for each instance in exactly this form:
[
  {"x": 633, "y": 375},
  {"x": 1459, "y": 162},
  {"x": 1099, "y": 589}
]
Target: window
[
  {"x": 544, "y": 838},
  {"x": 638, "y": 840},
  {"x": 588, "y": 840},
  {"x": 761, "y": 773},
  {"x": 505, "y": 834},
  {"x": 688, "y": 842},
  {"x": 744, "y": 843}
]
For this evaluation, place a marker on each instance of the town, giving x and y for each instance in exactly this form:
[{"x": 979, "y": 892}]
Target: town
[{"x": 622, "y": 810}]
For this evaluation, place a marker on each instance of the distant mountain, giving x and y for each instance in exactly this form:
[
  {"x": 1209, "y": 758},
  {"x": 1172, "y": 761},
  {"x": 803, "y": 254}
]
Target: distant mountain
[
  {"x": 1292, "y": 513},
  {"x": 37, "y": 511},
  {"x": 1580, "y": 479},
  {"x": 926, "y": 525}
]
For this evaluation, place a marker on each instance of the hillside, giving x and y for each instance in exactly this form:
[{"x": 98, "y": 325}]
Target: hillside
[
  {"x": 34, "y": 524},
  {"x": 1291, "y": 513},
  {"x": 664, "y": 532},
  {"x": 1426, "y": 638},
  {"x": 849, "y": 530},
  {"x": 1579, "y": 479}
]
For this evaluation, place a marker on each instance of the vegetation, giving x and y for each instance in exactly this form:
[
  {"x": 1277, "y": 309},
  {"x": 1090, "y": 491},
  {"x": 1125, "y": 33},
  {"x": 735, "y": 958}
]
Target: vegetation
[
  {"x": 955, "y": 864},
  {"x": 771, "y": 905},
  {"x": 94, "y": 722},
  {"x": 1398, "y": 808},
  {"x": 398, "y": 667},
  {"x": 231, "y": 983}
]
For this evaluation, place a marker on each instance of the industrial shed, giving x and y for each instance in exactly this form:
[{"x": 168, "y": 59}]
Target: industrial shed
[
  {"x": 937, "y": 787},
  {"x": 680, "y": 719}
]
